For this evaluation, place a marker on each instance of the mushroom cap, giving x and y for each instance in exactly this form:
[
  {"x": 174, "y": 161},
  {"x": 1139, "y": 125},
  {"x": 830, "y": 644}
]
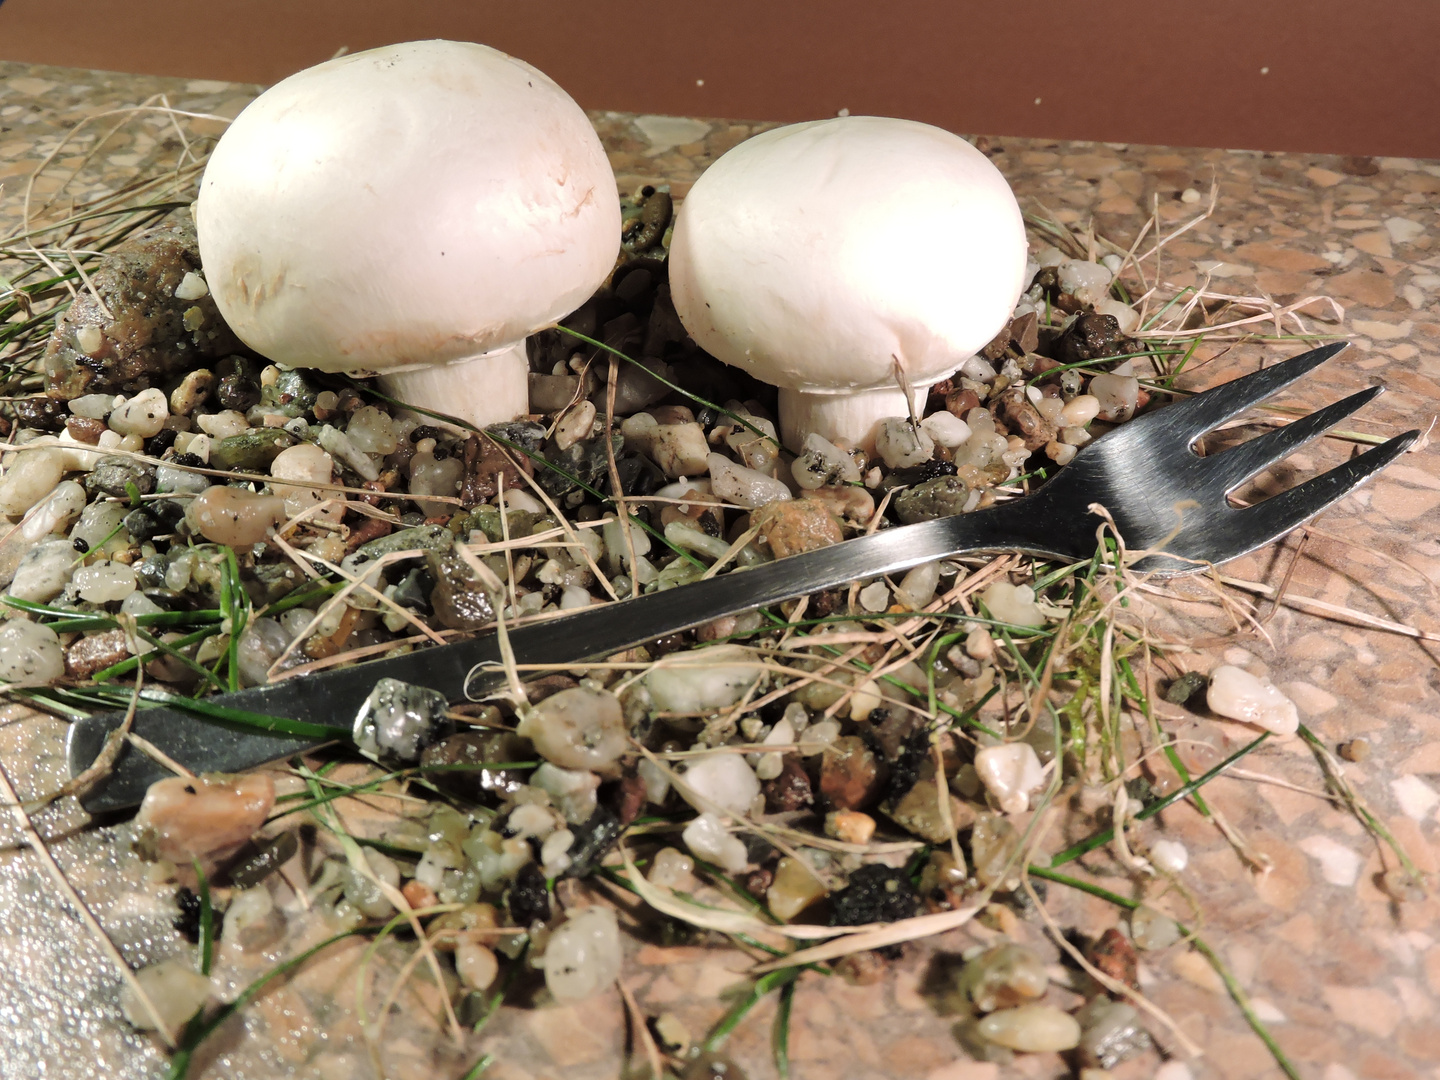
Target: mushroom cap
[
  {"x": 414, "y": 204},
  {"x": 812, "y": 255}
]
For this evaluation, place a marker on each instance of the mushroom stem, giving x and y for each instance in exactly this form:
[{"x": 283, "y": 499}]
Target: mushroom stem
[
  {"x": 489, "y": 389},
  {"x": 850, "y": 416}
]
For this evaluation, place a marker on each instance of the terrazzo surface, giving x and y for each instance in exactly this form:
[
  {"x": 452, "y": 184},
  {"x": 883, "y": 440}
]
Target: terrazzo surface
[{"x": 1346, "y": 979}]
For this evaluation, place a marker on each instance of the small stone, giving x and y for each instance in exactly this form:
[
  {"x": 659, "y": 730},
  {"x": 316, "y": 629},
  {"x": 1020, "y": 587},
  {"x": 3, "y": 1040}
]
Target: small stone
[
  {"x": 206, "y": 817},
  {"x": 251, "y": 452},
  {"x": 1152, "y": 930},
  {"x": 794, "y": 889},
  {"x": 994, "y": 851},
  {"x": 54, "y": 513},
  {"x": 918, "y": 812},
  {"x": 790, "y": 790},
  {"x": 1125, "y": 316},
  {"x": 144, "y": 414},
  {"x": 722, "y": 780},
  {"x": 1114, "y": 954},
  {"x": 1169, "y": 855},
  {"x": 175, "y": 989},
  {"x": 1118, "y": 396},
  {"x": 850, "y": 826},
  {"x": 233, "y": 516},
  {"x": 672, "y": 869},
  {"x": 43, "y": 571},
  {"x": 852, "y": 505},
  {"x": 399, "y": 720},
  {"x": 874, "y": 597},
  {"x": 794, "y": 526},
  {"x": 94, "y": 653},
  {"x": 31, "y": 476},
  {"x": 702, "y": 680},
  {"x": 432, "y": 476},
  {"x": 707, "y": 839},
  {"x": 302, "y": 462},
  {"x": 851, "y": 776},
  {"x": 822, "y": 464},
  {"x": 1010, "y": 773},
  {"x": 1356, "y": 750},
  {"x": 742, "y": 486},
  {"x": 1239, "y": 695},
  {"x": 902, "y": 444},
  {"x": 947, "y": 429},
  {"x": 579, "y": 728},
  {"x": 1090, "y": 337},
  {"x": 917, "y": 587},
  {"x": 475, "y": 964},
  {"x": 41, "y": 413},
  {"x": 1002, "y": 977},
  {"x": 1185, "y": 687},
  {"x": 1111, "y": 1032},
  {"x": 1086, "y": 281},
  {"x": 943, "y": 496},
  {"x": 1080, "y": 410},
  {"x": 459, "y": 599},
  {"x": 680, "y": 449},
  {"x": 1013, "y": 604},
  {"x": 1032, "y": 1028},
  {"x": 252, "y": 922},
  {"x": 30, "y": 654},
  {"x": 1026, "y": 421},
  {"x": 672, "y": 1033},
  {"x": 104, "y": 581},
  {"x": 84, "y": 430},
  {"x": 117, "y": 475}
]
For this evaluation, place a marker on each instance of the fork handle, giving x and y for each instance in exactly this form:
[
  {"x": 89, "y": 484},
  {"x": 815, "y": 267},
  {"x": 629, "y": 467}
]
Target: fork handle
[{"x": 471, "y": 668}]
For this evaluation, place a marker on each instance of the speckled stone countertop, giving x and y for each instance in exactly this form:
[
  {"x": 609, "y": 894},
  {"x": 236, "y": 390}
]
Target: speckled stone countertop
[{"x": 1347, "y": 980}]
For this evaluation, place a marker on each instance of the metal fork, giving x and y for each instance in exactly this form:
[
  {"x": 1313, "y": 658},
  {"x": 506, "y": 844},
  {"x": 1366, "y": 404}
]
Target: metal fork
[{"x": 1158, "y": 491}]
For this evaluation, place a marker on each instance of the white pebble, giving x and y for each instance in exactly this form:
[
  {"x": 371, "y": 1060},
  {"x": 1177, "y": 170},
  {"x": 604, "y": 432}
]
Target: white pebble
[
  {"x": 1086, "y": 281},
  {"x": 371, "y": 431},
  {"x": 30, "y": 654},
  {"x": 1124, "y": 314},
  {"x": 574, "y": 597},
  {"x": 917, "y": 588},
  {"x": 222, "y": 425},
  {"x": 821, "y": 462},
  {"x": 1189, "y": 196},
  {"x": 721, "y": 780},
  {"x": 1117, "y": 395},
  {"x": 1010, "y": 772},
  {"x": 1235, "y": 693},
  {"x": 1032, "y": 1028},
  {"x": 173, "y": 987},
  {"x": 31, "y": 476},
  {"x": 744, "y": 487},
  {"x": 104, "y": 581},
  {"x": 93, "y": 406},
  {"x": 583, "y": 955},
  {"x": 1013, "y": 604},
  {"x": 671, "y": 869},
  {"x": 946, "y": 428},
  {"x": 432, "y": 476},
  {"x": 1169, "y": 855},
  {"x": 192, "y": 287},
  {"x": 345, "y": 451},
  {"x": 554, "y": 852},
  {"x": 305, "y": 462},
  {"x": 657, "y": 783},
  {"x": 578, "y": 728},
  {"x": 226, "y": 515},
  {"x": 900, "y": 444},
  {"x": 577, "y": 424},
  {"x": 702, "y": 679},
  {"x": 875, "y": 596},
  {"x": 55, "y": 512},
  {"x": 707, "y": 839},
  {"x": 523, "y": 500},
  {"x": 475, "y": 964},
  {"x": 1049, "y": 255},
  {"x": 43, "y": 571},
  {"x": 1080, "y": 410},
  {"x": 143, "y": 415}
]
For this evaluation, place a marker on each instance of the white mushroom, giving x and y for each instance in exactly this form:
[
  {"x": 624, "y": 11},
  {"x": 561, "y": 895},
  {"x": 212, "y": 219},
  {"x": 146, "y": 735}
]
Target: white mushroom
[
  {"x": 835, "y": 259},
  {"x": 415, "y": 210}
]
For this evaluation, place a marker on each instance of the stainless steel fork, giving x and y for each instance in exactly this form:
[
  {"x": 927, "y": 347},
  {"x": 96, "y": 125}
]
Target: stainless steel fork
[{"x": 1159, "y": 492}]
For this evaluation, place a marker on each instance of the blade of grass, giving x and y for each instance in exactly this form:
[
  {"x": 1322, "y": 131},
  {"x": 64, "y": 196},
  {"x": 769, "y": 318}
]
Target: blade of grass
[{"x": 207, "y": 921}]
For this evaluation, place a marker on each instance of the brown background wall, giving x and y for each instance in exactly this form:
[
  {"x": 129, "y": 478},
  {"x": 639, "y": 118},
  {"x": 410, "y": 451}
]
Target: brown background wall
[{"x": 1334, "y": 76}]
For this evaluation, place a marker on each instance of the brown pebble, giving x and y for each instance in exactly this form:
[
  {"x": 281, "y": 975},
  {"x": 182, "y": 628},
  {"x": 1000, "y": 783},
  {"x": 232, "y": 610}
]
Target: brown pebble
[
  {"x": 630, "y": 799},
  {"x": 1025, "y": 420},
  {"x": 851, "y": 776},
  {"x": 862, "y": 968},
  {"x": 487, "y": 463},
  {"x": 1355, "y": 750},
  {"x": 1114, "y": 954},
  {"x": 757, "y": 881},
  {"x": 537, "y": 690},
  {"x": 852, "y": 505},
  {"x": 84, "y": 429},
  {"x": 793, "y": 526},
  {"x": 368, "y": 529},
  {"x": 960, "y": 402},
  {"x": 790, "y": 790},
  {"x": 918, "y": 812},
  {"x": 419, "y": 895},
  {"x": 94, "y": 653}
]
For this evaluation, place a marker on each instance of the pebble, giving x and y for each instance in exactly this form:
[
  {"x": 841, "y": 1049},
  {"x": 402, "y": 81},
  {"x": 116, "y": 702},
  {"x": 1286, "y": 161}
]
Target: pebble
[
  {"x": 850, "y": 826},
  {"x": 233, "y": 516},
  {"x": 1010, "y": 772},
  {"x": 260, "y": 645},
  {"x": 707, "y": 839},
  {"x": 555, "y": 852},
  {"x": 206, "y": 817},
  {"x": 850, "y": 776},
  {"x": 578, "y": 728},
  {"x": 672, "y": 869},
  {"x": 1111, "y": 1033},
  {"x": 93, "y": 406},
  {"x": 1013, "y": 604},
  {"x": 173, "y": 987},
  {"x": 821, "y": 463},
  {"x": 398, "y": 720},
  {"x": 794, "y": 526},
  {"x": 144, "y": 414},
  {"x": 901, "y": 444},
  {"x": 32, "y": 475},
  {"x": 741, "y": 486},
  {"x": 299, "y": 463},
  {"x": 30, "y": 654},
  {"x": 252, "y": 922},
  {"x": 1117, "y": 395},
  {"x": 917, "y": 588},
  {"x": 994, "y": 848},
  {"x": 1086, "y": 281},
  {"x": 347, "y": 453},
  {"x": 1032, "y": 1028},
  {"x": 475, "y": 964},
  {"x": 116, "y": 475},
  {"x": 703, "y": 679},
  {"x": 224, "y": 424},
  {"x": 942, "y": 496},
  {"x": 1003, "y": 976},
  {"x": 1080, "y": 410},
  {"x": 850, "y": 504},
  {"x": 722, "y": 780},
  {"x": 43, "y": 571},
  {"x": 104, "y": 581},
  {"x": 194, "y": 388},
  {"x": 430, "y": 475},
  {"x": 372, "y": 431},
  {"x": 947, "y": 429},
  {"x": 1127, "y": 317},
  {"x": 583, "y": 955},
  {"x": 1355, "y": 750},
  {"x": 1152, "y": 930},
  {"x": 96, "y": 652},
  {"x": 1169, "y": 855},
  {"x": 918, "y": 812},
  {"x": 679, "y": 449},
  {"x": 875, "y": 596},
  {"x": 55, "y": 512},
  {"x": 1235, "y": 693},
  {"x": 790, "y": 789},
  {"x": 362, "y": 889},
  {"x": 794, "y": 889}
]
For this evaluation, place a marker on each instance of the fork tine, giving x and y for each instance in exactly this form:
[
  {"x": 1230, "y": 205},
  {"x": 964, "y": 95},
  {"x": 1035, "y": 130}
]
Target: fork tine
[
  {"x": 1276, "y": 516},
  {"x": 1194, "y": 416},
  {"x": 1233, "y": 466}
]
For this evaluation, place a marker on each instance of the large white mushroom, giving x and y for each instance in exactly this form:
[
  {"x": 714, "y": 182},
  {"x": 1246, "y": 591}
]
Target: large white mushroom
[
  {"x": 415, "y": 210},
  {"x": 842, "y": 259}
]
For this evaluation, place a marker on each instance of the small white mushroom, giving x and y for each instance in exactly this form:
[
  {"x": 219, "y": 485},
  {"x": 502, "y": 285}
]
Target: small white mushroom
[
  {"x": 417, "y": 210},
  {"x": 824, "y": 257}
]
